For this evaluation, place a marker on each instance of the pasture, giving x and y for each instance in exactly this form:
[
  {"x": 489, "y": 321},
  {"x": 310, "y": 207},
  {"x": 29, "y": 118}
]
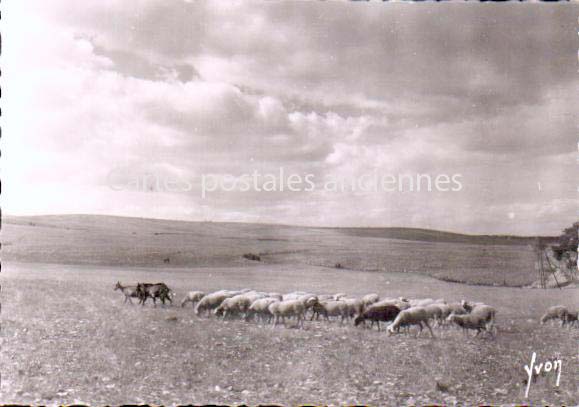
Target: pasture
[
  {"x": 67, "y": 338},
  {"x": 134, "y": 242}
]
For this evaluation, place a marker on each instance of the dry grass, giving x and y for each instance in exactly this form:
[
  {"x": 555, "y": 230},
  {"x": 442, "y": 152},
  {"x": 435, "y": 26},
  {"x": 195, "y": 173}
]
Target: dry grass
[
  {"x": 86, "y": 346},
  {"x": 129, "y": 242}
]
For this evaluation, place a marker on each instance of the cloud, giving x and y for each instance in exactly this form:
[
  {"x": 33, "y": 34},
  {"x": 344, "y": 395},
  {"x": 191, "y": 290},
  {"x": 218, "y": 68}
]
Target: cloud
[{"x": 179, "y": 89}]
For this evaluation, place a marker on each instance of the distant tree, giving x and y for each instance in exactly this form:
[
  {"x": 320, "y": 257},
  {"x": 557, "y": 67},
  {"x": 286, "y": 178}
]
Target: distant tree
[{"x": 567, "y": 242}]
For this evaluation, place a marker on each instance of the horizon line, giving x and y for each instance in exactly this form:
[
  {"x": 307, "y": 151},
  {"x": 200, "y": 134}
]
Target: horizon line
[{"x": 4, "y": 215}]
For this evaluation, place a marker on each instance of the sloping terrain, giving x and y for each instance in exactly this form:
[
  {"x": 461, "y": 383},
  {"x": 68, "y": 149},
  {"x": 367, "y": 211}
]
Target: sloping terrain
[
  {"x": 67, "y": 338},
  {"x": 121, "y": 241}
]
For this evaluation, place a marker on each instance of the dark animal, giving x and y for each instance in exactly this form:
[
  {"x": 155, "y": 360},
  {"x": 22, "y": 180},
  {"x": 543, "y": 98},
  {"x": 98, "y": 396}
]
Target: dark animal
[
  {"x": 376, "y": 314},
  {"x": 154, "y": 291},
  {"x": 571, "y": 318}
]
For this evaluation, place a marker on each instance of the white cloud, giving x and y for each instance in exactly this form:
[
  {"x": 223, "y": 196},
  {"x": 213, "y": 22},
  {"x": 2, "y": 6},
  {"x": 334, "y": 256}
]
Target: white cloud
[{"x": 96, "y": 86}]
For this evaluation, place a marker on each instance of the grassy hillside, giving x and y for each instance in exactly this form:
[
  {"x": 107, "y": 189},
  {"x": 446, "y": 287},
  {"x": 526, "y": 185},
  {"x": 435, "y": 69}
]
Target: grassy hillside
[
  {"x": 121, "y": 241},
  {"x": 427, "y": 235}
]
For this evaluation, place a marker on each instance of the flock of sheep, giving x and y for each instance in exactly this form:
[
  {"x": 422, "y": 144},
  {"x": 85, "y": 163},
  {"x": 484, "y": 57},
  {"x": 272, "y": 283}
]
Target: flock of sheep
[{"x": 399, "y": 313}]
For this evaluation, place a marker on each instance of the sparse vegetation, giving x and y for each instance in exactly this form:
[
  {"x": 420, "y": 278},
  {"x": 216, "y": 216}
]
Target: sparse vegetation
[
  {"x": 92, "y": 349},
  {"x": 111, "y": 241}
]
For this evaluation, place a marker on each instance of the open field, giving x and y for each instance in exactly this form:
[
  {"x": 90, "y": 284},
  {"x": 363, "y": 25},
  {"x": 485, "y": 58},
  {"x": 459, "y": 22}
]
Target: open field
[
  {"x": 67, "y": 337},
  {"x": 133, "y": 242}
]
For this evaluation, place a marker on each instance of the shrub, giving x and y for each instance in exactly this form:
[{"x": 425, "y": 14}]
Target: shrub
[
  {"x": 567, "y": 242},
  {"x": 251, "y": 256}
]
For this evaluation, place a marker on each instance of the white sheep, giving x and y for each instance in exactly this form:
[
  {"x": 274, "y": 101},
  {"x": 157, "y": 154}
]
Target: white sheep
[
  {"x": 423, "y": 302},
  {"x": 254, "y": 295},
  {"x": 401, "y": 304},
  {"x": 482, "y": 318},
  {"x": 308, "y": 299},
  {"x": 331, "y": 309},
  {"x": 370, "y": 299},
  {"x": 325, "y": 297},
  {"x": 354, "y": 307},
  {"x": 236, "y": 305},
  {"x": 260, "y": 308},
  {"x": 213, "y": 300},
  {"x": 277, "y": 296},
  {"x": 294, "y": 295},
  {"x": 434, "y": 311},
  {"x": 193, "y": 297},
  {"x": 411, "y": 316},
  {"x": 556, "y": 312},
  {"x": 283, "y": 309},
  {"x": 457, "y": 308}
]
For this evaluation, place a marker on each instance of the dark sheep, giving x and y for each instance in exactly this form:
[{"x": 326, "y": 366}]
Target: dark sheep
[{"x": 376, "y": 314}]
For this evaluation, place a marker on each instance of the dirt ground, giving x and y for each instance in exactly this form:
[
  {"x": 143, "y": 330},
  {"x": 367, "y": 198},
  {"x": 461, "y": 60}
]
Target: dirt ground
[{"x": 68, "y": 338}]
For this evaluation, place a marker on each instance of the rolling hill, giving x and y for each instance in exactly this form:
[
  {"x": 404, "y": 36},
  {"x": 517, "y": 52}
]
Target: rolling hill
[{"x": 138, "y": 242}]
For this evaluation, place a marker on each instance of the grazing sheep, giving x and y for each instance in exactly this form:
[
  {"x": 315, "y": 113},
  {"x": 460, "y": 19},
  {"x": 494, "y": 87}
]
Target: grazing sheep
[
  {"x": 129, "y": 291},
  {"x": 213, "y": 300},
  {"x": 400, "y": 303},
  {"x": 481, "y": 318},
  {"x": 354, "y": 306},
  {"x": 277, "y": 296},
  {"x": 193, "y": 297},
  {"x": 556, "y": 312},
  {"x": 325, "y": 297},
  {"x": 470, "y": 305},
  {"x": 260, "y": 308},
  {"x": 370, "y": 299},
  {"x": 445, "y": 311},
  {"x": 411, "y": 316},
  {"x": 235, "y": 305},
  {"x": 423, "y": 302},
  {"x": 377, "y": 314},
  {"x": 434, "y": 311},
  {"x": 294, "y": 295},
  {"x": 318, "y": 309},
  {"x": 254, "y": 295},
  {"x": 457, "y": 308},
  {"x": 331, "y": 309},
  {"x": 283, "y": 309},
  {"x": 309, "y": 300}
]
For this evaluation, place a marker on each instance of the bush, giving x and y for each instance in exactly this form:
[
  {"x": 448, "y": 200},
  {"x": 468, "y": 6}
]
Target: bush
[
  {"x": 251, "y": 256},
  {"x": 567, "y": 242}
]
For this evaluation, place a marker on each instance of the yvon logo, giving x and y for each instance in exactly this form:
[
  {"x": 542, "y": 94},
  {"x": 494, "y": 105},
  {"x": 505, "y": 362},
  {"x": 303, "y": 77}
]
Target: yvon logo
[{"x": 547, "y": 367}]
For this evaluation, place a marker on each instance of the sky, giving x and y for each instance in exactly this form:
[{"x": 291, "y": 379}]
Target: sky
[{"x": 160, "y": 108}]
